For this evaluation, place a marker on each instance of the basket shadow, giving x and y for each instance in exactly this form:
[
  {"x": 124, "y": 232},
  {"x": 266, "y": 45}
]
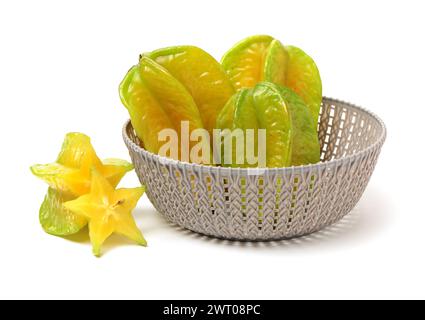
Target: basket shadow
[{"x": 364, "y": 222}]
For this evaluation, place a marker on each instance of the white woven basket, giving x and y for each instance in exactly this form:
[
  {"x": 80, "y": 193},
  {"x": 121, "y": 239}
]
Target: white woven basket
[{"x": 277, "y": 203}]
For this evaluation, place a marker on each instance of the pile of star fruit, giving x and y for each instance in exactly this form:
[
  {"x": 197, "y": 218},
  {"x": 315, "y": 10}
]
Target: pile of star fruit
[
  {"x": 259, "y": 84},
  {"x": 82, "y": 190}
]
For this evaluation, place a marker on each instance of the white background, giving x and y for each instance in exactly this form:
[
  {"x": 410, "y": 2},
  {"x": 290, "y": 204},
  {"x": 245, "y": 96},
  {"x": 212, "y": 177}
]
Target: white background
[{"x": 60, "y": 66}]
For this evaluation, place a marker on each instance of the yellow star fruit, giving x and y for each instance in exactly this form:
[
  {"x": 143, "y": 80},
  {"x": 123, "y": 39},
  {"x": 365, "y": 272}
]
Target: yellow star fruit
[
  {"x": 108, "y": 211},
  {"x": 71, "y": 171},
  {"x": 70, "y": 177}
]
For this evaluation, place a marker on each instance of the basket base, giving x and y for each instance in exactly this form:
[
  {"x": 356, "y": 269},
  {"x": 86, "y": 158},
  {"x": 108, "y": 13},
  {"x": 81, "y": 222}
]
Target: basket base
[{"x": 234, "y": 240}]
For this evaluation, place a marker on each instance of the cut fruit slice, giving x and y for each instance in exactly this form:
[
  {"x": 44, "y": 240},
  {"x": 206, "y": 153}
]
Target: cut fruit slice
[
  {"x": 55, "y": 218},
  {"x": 305, "y": 143},
  {"x": 108, "y": 211},
  {"x": 273, "y": 115},
  {"x": 244, "y": 63},
  {"x": 156, "y": 101},
  {"x": 303, "y": 77},
  {"x": 202, "y": 76}
]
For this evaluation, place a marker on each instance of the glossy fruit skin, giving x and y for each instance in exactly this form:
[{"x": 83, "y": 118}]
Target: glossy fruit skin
[
  {"x": 291, "y": 132},
  {"x": 263, "y": 58},
  {"x": 305, "y": 142},
  {"x": 225, "y": 121},
  {"x": 202, "y": 76},
  {"x": 71, "y": 171},
  {"x": 261, "y": 107},
  {"x": 156, "y": 101},
  {"x": 70, "y": 177},
  {"x": 227, "y": 114},
  {"x": 61, "y": 177},
  {"x": 256, "y": 59},
  {"x": 147, "y": 116},
  {"x": 78, "y": 152},
  {"x": 239, "y": 113},
  {"x": 276, "y": 63},
  {"x": 244, "y": 63},
  {"x": 303, "y": 77},
  {"x": 114, "y": 169},
  {"x": 108, "y": 210},
  {"x": 246, "y": 118},
  {"x": 55, "y": 219},
  {"x": 273, "y": 115}
]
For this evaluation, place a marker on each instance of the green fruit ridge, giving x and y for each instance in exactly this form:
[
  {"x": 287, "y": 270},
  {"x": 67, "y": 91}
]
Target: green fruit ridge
[
  {"x": 239, "y": 113},
  {"x": 261, "y": 107},
  {"x": 55, "y": 219},
  {"x": 291, "y": 137},
  {"x": 305, "y": 142}
]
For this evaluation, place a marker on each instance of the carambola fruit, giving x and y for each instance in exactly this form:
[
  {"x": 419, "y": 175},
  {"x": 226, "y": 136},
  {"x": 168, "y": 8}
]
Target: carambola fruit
[
  {"x": 156, "y": 101},
  {"x": 291, "y": 137},
  {"x": 108, "y": 211},
  {"x": 201, "y": 75},
  {"x": 239, "y": 113},
  {"x": 261, "y": 107},
  {"x": 303, "y": 77},
  {"x": 70, "y": 177},
  {"x": 305, "y": 142},
  {"x": 263, "y": 58},
  {"x": 55, "y": 218}
]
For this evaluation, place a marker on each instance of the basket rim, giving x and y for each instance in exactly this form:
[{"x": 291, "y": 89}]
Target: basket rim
[{"x": 251, "y": 171}]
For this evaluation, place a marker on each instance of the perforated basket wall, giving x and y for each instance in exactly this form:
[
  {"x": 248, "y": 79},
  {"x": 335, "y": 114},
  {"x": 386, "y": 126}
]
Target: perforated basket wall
[{"x": 274, "y": 203}]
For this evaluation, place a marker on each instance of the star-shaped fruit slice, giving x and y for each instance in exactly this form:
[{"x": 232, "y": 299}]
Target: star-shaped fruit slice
[
  {"x": 70, "y": 177},
  {"x": 108, "y": 211}
]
